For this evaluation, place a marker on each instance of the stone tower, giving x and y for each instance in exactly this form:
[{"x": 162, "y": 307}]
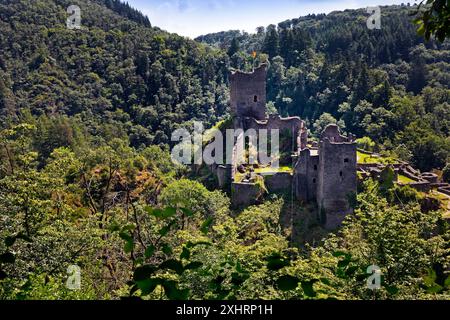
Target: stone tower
[
  {"x": 324, "y": 173},
  {"x": 248, "y": 93},
  {"x": 306, "y": 175},
  {"x": 337, "y": 178}
]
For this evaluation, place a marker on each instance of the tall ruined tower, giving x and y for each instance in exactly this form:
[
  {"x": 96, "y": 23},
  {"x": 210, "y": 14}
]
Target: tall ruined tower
[
  {"x": 248, "y": 93},
  {"x": 336, "y": 176},
  {"x": 323, "y": 173}
]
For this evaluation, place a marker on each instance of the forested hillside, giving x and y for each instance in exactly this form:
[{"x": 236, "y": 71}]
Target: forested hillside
[
  {"x": 387, "y": 84},
  {"x": 92, "y": 207},
  {"x": 141, "y": 81}
]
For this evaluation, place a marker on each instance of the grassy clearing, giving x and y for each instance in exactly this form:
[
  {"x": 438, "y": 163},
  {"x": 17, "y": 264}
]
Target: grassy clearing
[
  {"x": 368, "y": 158},
  {"x": 240, "y": 176},
  {"x": 269, "y": 169},
  {"x": 404, "y": 179}
]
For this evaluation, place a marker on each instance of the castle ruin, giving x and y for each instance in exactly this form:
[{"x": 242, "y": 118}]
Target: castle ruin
[{"x": 323, "y": 173}]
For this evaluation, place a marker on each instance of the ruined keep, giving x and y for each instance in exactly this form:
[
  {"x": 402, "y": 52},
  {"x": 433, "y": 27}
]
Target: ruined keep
[
  {"x": 323, "y": 173},
  {"x": 248, "y": 93},
  {"x": 327, "y": 175}
]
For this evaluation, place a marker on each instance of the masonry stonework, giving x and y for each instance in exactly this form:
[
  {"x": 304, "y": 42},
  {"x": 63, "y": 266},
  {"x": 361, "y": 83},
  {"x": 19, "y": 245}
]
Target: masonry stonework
[
  {"x": 248, "y": 93},
  {"x": 306, "y": 173},
  {"x": 323, "y": 173},
  {"x": 337, "y": 179}
]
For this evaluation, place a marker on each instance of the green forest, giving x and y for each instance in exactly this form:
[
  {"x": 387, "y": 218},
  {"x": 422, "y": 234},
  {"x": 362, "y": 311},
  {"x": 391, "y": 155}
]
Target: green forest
[{"x": 86, "y": 177}]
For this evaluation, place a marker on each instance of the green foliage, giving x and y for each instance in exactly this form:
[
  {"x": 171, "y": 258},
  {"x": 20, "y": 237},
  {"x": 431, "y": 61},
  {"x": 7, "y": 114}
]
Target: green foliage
[
  {"x": 120, "y": 75},
  {"x": 323, "y": 121},
  {"x": 366, "y": 144},
  {"x": 86, "y": 177},
  {"x": 287, "y": 282},
  {"x": 393, "y": 89},
  {"x": 150, "y": 271},
  {"x": 190, "y": 246},
  {"x": 434, "y": 20},
  {"x": 446, "y": 173},
  {"x": 395, "y": 237}
]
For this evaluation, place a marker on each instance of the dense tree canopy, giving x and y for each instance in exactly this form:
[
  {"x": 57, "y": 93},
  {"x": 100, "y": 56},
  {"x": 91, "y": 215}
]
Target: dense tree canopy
[
  {"x": 86, "y": 177},
  {"x": 387, "y": 84},
  {"x": 142, "y": 81}
]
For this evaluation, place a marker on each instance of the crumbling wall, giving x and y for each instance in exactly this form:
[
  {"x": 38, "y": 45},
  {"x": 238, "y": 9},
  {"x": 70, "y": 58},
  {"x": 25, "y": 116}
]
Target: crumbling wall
[
  {"x": 294, "y": 125},
  {"x": 332, "y": 133},
  {"x": 248, "y": 93},
  {"x": 274, "y": 121},
  {"x": 422, "y": 186},
  {"x": 430, "y": 177},
  {"x": 243, "y": 194},
  {"x": 223, "y": 175},
  {"x": 445, "y": 190},
  {"x": 279, "y": 182},
  {"x": 302, "y": 140},
  {"x": 407, "y": 173}
]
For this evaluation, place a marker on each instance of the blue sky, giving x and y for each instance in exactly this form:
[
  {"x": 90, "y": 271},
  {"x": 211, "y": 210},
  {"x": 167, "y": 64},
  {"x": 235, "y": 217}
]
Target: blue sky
[{"x": 192, "y": 18}]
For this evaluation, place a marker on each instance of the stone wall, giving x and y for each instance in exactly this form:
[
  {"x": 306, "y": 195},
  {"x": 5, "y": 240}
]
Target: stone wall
[
  {"x": 293, "y": 124},
  {"x": 439, "y": 185},
  {"x": 248, "y": 93},
  {"x": 369, "y": 166},
  {"x": 332, "y": 133},
  {"x": 423, "y": 186},
  {"x": 430, "y": 177},
  {"x": 445, "y": 190},
  {"x": 223, "y": 175},
  {"x": 279, "y": 182},
  {"x": 306, "y": 176},
  {"x": 408, "y": 174},
  {"x": 243, "y": 194},
  {"x": 337, "y": 180}
]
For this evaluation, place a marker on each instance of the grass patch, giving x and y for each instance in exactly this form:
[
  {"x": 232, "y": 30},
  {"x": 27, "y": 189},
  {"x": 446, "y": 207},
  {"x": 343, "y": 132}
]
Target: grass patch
[
  {"x": 269, "y": 169},
  {"x": 404, "y": 179},
  {"x": 240, "y": 176},
  {"x": 368, "y": 158}
]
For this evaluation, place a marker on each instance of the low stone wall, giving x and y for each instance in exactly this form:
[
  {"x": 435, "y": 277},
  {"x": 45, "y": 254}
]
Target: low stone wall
[
  {"x": 243, "y": 194},
  {"x": 445, "y": 190},
  {"x": 430, "y": 177},
  {"x": 423, "y": 186},
  {"x": 279, "y": 182},
  {"x": 439, "y": 185},
  {"x": 367, "y": 166},
  {"x": 411, "y": 170},
  {"x": 409, "y": 174}
]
